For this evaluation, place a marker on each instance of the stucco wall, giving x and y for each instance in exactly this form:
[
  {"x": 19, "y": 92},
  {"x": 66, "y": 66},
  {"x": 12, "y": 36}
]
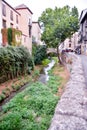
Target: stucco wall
[
  {"x": 24, "y": 26},
  {"x": 73, "y": 41},
  {"x": 7, "y": 17},
  {"x": 36, "y": 32}
]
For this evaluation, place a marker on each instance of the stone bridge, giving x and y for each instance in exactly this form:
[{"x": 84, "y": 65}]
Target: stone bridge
[{"x": 51, "y": 50}]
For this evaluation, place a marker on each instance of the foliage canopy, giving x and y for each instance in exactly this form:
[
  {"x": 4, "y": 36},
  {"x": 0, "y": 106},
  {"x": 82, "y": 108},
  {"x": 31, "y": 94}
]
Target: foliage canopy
[
  {"x": 39, "y": 54},
  {"x": 58, "y": 24}
]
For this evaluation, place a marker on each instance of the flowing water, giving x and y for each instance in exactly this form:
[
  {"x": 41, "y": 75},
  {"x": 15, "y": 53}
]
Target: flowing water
[{"x": 44, "y": 77}]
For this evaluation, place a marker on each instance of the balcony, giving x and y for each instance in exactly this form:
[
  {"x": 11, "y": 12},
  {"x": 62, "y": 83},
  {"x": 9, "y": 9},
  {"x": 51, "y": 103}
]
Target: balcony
[{"x": 30, "y": 22}]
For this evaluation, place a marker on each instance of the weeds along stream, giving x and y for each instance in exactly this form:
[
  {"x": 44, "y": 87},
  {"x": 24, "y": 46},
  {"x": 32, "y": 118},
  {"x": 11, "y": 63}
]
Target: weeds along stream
[{"x": 33, "y": 108}]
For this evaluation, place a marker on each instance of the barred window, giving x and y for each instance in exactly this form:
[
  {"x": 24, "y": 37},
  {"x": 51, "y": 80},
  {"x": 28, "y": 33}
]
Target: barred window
[
  {"x": 4, "y": 23},
  {"x": 11, "y": 25},
  {"x": 11, "y": 15},
  {"x": 3, "y": 10}
]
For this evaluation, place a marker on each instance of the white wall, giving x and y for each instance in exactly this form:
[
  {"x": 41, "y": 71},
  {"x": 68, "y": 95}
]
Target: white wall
[{"x": 0, "y": 22}]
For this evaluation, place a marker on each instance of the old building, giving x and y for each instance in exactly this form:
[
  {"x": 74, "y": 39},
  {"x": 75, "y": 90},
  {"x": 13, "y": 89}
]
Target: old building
[
  {"x": 19, "y": 18},
  {"x": 71, "y": 43},
  {"x": 83, "y": 31},
  {"x": 36, "y": 33},
  {"x": 25, "y": 25}
]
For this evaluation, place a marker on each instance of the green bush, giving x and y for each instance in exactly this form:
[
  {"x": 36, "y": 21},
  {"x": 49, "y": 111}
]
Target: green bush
[
  {"x": 33, "y": 108},
  {"x": 11, "y": 121},
  {"x": 40, "y": 54},
  {"x": 34, "y": 48},
  {"x": 45, "y": 62},
  {"x": 55, "y": 59},
  {"x": 2, "y": 97},
  {"x": 14, "y": 61},
  {"x": 37, "y": 101}
]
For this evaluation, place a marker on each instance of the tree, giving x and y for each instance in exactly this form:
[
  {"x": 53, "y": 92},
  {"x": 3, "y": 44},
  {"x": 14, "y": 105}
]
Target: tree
[{"x": 58, "y": 24}]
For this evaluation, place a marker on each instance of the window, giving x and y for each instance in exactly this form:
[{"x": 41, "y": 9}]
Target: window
[
  {"x": 69, "y": 44},
  {"x": 86, "y": 25},
  {"x": 11, "y": 15},
  {"x": 30, "y": 22},
  {"x": 3, "y": 10},
  {"x": 4, "y": 23},
  {"x": 11, "y": 25},
  {"x": 16, "y": 18},
  {"x": 29, "y": 31}
]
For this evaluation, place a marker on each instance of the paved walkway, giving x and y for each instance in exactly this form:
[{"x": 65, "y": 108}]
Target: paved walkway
[
  {"x": 84, "y": 64},
  {"x": 71, "y": 110}
]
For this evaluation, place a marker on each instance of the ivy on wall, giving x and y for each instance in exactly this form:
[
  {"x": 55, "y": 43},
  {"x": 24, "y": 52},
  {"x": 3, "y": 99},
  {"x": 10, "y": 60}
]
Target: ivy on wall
[
  {"x": 17, "y": 37},
  {"x": 11, "y": 36},
  {"x": 4, "y": 37},
  {"x": 9, "y": 30}
]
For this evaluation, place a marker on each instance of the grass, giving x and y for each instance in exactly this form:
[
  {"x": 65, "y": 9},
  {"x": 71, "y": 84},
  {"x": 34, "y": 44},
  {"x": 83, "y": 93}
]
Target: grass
[{"x": 33, "y": 108}]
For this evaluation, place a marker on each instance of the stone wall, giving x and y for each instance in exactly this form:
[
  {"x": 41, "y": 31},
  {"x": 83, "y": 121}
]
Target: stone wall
[{"x": 71, "y": 110}]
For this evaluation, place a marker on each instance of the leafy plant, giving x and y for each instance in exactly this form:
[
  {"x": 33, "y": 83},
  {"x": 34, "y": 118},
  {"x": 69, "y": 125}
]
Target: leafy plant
[
  {"x": 2, "y": 97},
  {"x": 40, "y": 54},
  {"x": 9, "y": 36},
  {"x": 33, "y": 108},
  {"x": 12, "y": 121},
  {"x": 58, "y": 24},
  {"x": 35, "y": 74},
  {"x": 13, "y": 86},
  {"x": 14, "y": 61},
  {"x": 45, "y": 62}
]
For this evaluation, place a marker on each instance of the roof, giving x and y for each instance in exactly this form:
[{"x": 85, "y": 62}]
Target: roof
[
  {"x": 83, "y": 14},
  {"x": 36, "y": 23},
  {"x": 23, "y": 6}
]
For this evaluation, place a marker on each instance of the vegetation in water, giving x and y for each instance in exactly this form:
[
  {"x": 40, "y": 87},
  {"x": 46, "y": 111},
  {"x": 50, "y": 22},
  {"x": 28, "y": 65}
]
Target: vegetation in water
[{"x": 33, "y": 108}]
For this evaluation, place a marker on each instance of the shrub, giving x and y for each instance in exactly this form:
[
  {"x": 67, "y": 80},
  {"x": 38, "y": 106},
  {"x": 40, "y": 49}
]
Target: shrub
[
  {"x": 34, "y": 48},
  {"x": 12, "y": 121},
  {"x": 14, "y": 61},
  {"x": 45, "y": 62},
  {"x": 36, "y": 74},
  {"x": 40, "y": 54},
  {"x": 2, "y": 97}
]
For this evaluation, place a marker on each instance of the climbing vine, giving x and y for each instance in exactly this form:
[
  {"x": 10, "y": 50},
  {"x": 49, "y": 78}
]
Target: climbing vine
[
  {"x": 11, "y": 36},
  {"x": 9, "y": 33}
]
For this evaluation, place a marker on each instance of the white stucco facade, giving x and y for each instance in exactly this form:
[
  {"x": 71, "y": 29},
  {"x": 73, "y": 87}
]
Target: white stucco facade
[
  {"x": 0, "y": 22},
  {"x": 36, "y": 33}
]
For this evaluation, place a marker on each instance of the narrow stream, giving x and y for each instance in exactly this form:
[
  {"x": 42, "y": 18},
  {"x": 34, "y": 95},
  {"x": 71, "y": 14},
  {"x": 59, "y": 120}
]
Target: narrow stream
[{"x": 44, "y": 77}]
